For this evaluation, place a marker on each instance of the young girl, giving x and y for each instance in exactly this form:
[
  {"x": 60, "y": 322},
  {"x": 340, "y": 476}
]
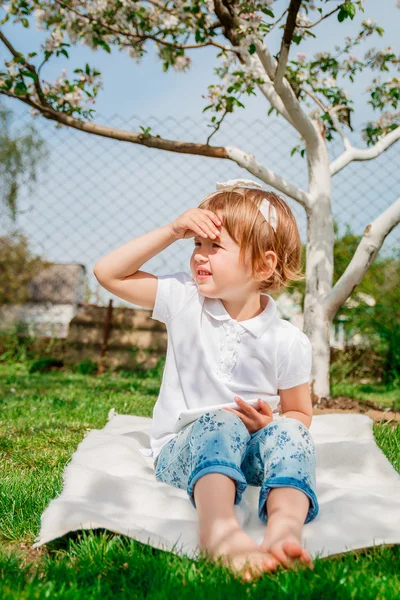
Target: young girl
[{"x": 227, "y": 344}]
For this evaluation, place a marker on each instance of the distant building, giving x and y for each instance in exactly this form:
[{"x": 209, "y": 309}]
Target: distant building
[
  {"x": 53, "y": 298},
  {"x": 56, "y": 292}
]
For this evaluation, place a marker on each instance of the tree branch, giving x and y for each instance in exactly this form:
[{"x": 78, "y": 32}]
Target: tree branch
[
  {"x": 243, "y": 159},
  {"x": 290, "y": 26},
  {"x": 368, "y": 248},
  {"x": 267, "y": 88},
  {"x": 30, "y": 67},
  {"x": 336, "y": 123},
  {"x": 120, "y": 134},
  {"x": 317, "y": 101},
  {"x": 248, "y": 162},
  {"x": 279, "y": 19},
  {"x": 300, "y": 120},
  {"x": 319, "y": 20},
  {"x": 10, "y": 47},
  {"x": 331, "y": 110},
  {"x": 231, "y": 24},
  {"x": 216, "y": 127},
  {"x": 358, "y": 154}
]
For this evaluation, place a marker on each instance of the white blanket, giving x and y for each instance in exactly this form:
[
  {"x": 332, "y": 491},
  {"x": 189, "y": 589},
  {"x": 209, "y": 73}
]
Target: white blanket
[{"x": 109, "y": 484}]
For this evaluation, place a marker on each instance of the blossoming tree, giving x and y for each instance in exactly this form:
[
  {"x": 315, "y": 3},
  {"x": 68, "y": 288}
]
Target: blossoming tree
[{"x": 239, "y": 30}]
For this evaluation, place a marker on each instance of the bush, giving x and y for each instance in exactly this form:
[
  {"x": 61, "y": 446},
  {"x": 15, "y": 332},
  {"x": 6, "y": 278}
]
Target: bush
[
  {"x": 16, "y": 345},
  {"x": 86, "y": 367},
  {"x": 44, "y": 364},
  {"x": 18, "y": 267}
]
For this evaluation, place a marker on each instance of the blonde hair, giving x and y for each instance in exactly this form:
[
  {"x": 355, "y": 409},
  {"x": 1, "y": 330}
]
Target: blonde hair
[{"x": 248, "y": 228}]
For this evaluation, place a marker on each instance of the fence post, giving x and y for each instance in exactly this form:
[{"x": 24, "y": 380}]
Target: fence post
[{"x": 107, "y": 325}]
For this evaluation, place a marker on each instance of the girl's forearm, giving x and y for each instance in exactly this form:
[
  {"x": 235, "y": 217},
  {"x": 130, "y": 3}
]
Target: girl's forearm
[
  {"x": 128, "y": 259},
  {"x": 303, "y": 417}
]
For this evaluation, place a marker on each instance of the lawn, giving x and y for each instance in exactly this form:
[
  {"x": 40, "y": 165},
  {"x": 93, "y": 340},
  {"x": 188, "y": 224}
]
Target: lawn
[{"x": 44, "y": 416}]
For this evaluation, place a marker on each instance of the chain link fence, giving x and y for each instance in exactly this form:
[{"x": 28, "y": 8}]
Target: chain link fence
[{"x": 93, "y": 194}]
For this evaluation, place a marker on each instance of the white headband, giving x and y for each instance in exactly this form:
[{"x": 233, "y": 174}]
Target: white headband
[{"x": 227, "y": 186}]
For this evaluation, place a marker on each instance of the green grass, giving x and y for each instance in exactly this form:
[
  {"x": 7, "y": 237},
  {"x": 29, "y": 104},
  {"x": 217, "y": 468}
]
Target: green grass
[
  {"x": 43, "y": 418},
  {"x": 379, "y": 393}
]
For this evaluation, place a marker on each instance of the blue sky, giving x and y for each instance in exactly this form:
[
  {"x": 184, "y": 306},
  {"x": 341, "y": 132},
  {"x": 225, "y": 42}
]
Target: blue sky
[{"x": 97, "y": 194}]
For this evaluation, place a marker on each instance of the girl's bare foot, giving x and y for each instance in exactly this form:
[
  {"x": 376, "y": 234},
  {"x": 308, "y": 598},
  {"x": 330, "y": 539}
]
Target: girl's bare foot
[
  {"x": 287, "y": 549},
  {"x": 241, "y": 553}
]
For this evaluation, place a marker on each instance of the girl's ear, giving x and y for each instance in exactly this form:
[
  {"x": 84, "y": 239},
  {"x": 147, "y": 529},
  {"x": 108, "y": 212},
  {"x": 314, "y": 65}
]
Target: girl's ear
[{"x": 272, "y": 260}]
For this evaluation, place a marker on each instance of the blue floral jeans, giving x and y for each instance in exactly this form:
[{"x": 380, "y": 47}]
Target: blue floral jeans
[{"x": 282, "y": 454}]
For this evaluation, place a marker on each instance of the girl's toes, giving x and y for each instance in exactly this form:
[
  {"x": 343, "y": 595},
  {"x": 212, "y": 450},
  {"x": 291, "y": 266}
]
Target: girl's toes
[
  {"x": 247, "y": 576},
  {"x": 279, "y": 554},
  {"x": 270, "y": 560},
  {"x": 295, "y": 551},
  {"x": 308, "y": 559}
]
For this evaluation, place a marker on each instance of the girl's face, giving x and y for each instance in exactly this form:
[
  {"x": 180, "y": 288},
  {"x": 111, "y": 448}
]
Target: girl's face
[{"x": 220, "y": 256}]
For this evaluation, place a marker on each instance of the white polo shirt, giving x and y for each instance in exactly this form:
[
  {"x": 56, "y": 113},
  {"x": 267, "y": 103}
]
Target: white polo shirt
[{"x": 211, "y": 358}]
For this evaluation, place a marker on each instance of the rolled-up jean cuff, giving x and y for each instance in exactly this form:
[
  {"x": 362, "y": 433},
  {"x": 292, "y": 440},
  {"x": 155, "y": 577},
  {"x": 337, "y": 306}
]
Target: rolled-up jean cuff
[
  {"x": 287, "y": 482},
  {"x": 215, "y": 467}
]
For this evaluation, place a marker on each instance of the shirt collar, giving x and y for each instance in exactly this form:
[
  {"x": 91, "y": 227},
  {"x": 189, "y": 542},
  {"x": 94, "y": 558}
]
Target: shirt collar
[{"x": 257, "y": 325}]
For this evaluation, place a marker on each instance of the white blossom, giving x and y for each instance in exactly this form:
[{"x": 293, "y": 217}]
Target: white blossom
[
  {"x": 329, "y": 82},
  {"x": 386, "y": 119},
  {"x": 302, "y": 76},
  {"x": 101, "y": 6},
  {"x": 41, "y": 16},
  {"x": 252, "y": 17},
  {"x": 170, "y": 21},
  {"x": 181, "y": 63},
  {"x": 302, "y": 20},
  {"x": 135, "y": 53},
  {"x": 74, "y": 98},
  {"x": 55, "y": 40}
]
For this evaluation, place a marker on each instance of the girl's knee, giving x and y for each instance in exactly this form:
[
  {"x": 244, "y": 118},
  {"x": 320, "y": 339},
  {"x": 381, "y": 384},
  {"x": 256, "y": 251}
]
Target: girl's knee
[
  {"x": 295, "y": 426},
  {"x": 286, "y": 432}
]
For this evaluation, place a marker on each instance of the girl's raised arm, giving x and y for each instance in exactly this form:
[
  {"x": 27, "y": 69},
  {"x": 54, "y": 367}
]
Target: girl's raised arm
[{"x": 118, "y": 272}]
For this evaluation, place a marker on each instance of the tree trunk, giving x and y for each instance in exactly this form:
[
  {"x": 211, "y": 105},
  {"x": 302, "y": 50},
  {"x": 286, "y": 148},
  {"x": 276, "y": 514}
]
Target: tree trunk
[{"x": 319, "y": 266}]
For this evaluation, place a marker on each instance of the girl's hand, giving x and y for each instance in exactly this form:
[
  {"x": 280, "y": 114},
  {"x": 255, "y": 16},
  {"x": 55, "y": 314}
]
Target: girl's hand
[
  {"x": 196, "y": 221},
  {"x": 253, "y": 419}
]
